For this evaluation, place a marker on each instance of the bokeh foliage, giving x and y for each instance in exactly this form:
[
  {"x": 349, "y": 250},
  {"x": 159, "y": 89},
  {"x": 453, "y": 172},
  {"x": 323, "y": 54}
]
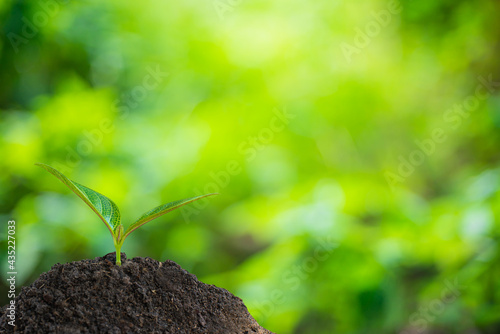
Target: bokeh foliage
[{"x": 309, "y": 229}]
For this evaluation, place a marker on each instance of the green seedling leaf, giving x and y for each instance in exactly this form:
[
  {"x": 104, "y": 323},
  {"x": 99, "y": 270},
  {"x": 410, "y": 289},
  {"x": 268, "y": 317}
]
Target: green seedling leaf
[
  {"x": 105, "y": 208},
  {"x": 161, "y": 210}
]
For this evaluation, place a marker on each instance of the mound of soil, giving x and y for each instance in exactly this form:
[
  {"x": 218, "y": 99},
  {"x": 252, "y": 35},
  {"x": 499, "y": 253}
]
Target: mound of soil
[{"x": 140, "y": 296}]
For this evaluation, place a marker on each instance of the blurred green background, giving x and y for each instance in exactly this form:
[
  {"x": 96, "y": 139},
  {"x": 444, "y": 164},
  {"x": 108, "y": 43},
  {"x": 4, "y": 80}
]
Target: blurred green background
[{"x": 355, "y": 146}]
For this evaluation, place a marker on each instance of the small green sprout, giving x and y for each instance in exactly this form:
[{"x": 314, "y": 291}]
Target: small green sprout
[{"x": 107, "y": 210}]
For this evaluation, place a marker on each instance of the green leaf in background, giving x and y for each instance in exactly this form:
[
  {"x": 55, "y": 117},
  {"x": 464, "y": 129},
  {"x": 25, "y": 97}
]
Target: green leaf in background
[
  {"x": 105, "y": 208},
  {"x": 161, "y": 210}
]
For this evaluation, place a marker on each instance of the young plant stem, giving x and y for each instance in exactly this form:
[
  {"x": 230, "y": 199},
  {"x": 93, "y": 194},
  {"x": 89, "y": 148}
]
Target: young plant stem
[
  {"x": 118, "y": 247},
  {"x": 118, "y": 239}
]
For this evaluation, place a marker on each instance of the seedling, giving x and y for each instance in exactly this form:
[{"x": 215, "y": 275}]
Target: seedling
[{"x": 107, "y": 210}]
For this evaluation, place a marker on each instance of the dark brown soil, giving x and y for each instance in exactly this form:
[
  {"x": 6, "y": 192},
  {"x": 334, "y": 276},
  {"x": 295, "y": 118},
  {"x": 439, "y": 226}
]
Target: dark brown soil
[{"x": 141, "y": 296}]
